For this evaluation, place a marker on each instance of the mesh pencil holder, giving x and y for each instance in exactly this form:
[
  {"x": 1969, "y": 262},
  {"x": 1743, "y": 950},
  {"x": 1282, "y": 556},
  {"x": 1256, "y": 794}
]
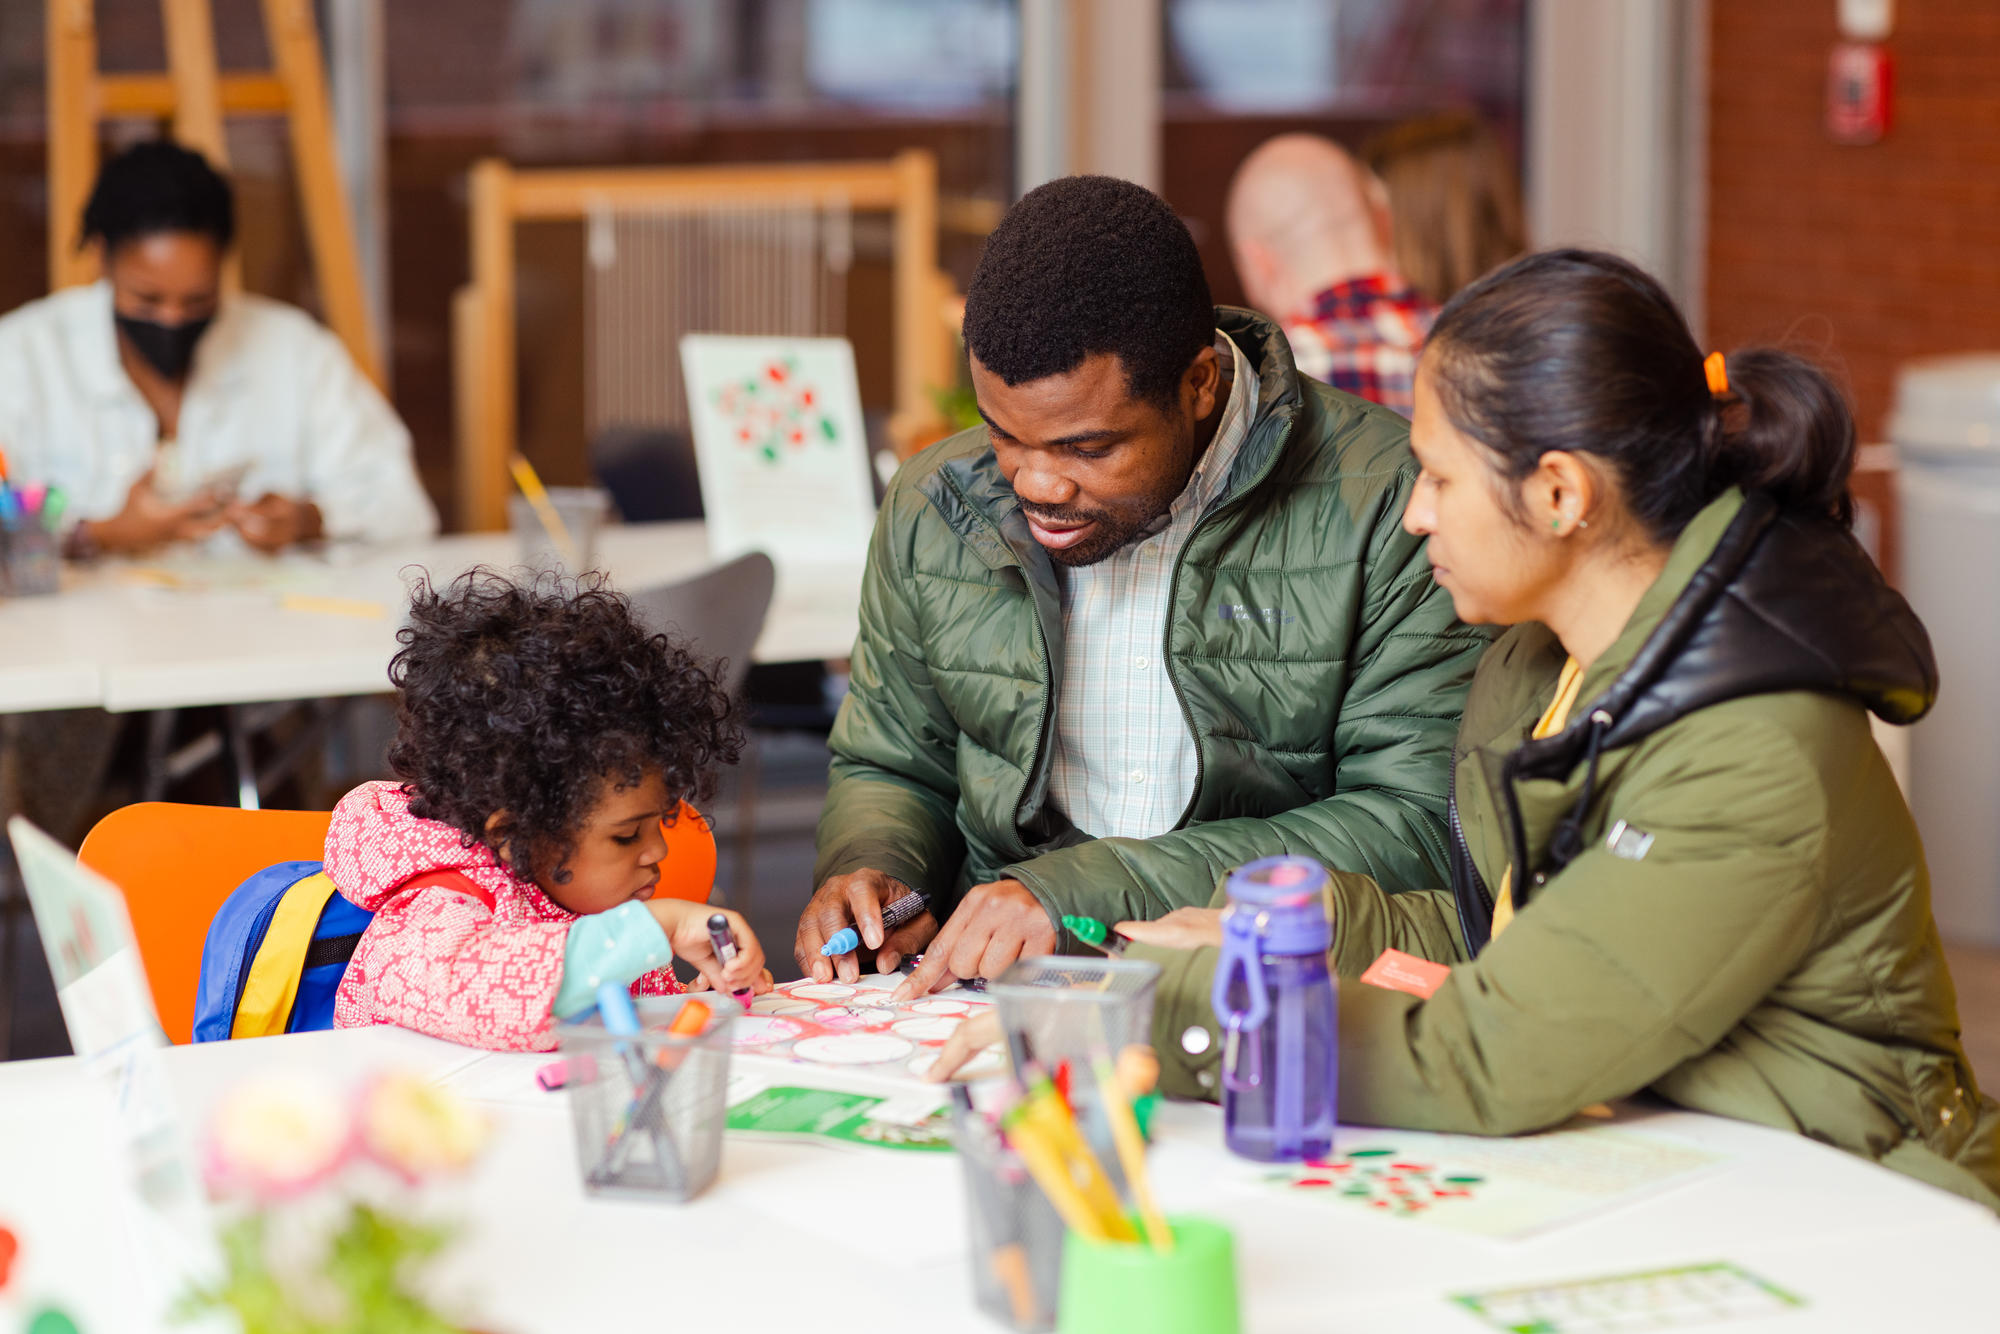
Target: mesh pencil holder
[
  {"x": 1072, "y": 1012},
  {"x": 30, "y": 561},
  {"x": 648, "y": 1109},
  {"x": 1017, "y": 1239}
]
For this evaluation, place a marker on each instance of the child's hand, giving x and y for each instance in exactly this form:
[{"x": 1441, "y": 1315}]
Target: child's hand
[{"x": 686, "y": 925}]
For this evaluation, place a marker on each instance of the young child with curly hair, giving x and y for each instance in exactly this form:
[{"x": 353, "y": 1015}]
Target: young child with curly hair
[{"x": 543, "y": 736}]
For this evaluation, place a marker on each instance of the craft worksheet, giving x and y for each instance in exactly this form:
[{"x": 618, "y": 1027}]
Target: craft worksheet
[
  {"x": 1683, "y": 1297},
  {"x": 781, "y": 447},
  {"x": 1503, "y": 1188},
  {"x": 854, "y": 1028}
]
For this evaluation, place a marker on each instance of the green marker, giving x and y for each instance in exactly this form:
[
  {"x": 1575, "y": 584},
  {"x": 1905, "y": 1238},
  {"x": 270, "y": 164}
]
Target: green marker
[{"x": 1096, "y": 934}]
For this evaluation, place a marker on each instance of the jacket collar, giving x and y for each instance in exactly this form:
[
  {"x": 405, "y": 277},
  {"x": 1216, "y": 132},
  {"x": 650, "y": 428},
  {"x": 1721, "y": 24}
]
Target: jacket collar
[{"x": 1752, "y": 601}]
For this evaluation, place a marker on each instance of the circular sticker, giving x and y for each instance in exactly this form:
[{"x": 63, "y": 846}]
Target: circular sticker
[
  {"x": 778, "y": 1003},
  {"x": 763, "y": 1031},
  {"x": 842, "y": 1018},
  {"x": 941, "y": 1007},
  {"x": 853, "y": 1049},
  {"x": 926, "y": 1028},
  {"x": 822, "y": 991}
]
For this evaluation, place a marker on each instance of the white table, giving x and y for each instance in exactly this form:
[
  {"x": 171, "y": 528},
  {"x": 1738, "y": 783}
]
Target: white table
[
  {"x": 1866, "y": 1248},
  {"x": 109, "y": 641}
]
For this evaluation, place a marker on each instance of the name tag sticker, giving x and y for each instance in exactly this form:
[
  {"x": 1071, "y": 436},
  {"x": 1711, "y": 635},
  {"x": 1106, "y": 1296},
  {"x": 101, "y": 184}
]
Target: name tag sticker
[
  {"x": 1394, "y": 970},
  {"x": 1629, "y": 843}
]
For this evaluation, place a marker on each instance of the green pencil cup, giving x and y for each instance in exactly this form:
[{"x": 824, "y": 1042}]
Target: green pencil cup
[{"x": 1112, "y": 1287}]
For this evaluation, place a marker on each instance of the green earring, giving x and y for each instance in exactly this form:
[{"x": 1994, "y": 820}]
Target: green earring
[{"x": 1555, "y": 524}]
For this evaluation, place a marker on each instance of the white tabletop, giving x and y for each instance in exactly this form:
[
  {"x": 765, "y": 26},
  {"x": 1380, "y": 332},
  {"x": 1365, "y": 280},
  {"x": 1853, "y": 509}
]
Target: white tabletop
[
  {"x": 319, "y": 625},
  {"x": 849, "y": 1239}
]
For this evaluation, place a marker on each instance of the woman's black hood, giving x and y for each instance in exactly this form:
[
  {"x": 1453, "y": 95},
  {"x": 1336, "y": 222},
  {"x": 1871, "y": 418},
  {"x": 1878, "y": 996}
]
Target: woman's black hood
[{"x": 1785, "y": 602}]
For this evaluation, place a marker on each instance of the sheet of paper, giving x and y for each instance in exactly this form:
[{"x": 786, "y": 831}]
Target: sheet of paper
[
  {"x": 1685, "y": 1297},
  {"x": 1496, "y": 1187},
  {"x": 108, "y": 1010},
  {"x": 781, "y": 448},
  {"x": 503, "y": 1077}
]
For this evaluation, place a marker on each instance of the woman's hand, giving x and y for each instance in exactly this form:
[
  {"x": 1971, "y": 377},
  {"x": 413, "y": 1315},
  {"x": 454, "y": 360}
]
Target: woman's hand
[
  {"x": 970, "y": 1038},
  {"x": 273, "y": 522},
  {"x": 686, "y": 925},
  {"x": 149, "y": 520},
  {"x": 1181, "y": 929}
]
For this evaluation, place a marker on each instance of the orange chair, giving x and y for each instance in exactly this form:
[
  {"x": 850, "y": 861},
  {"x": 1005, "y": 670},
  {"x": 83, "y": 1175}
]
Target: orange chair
[{"x": 176, "y": 864}]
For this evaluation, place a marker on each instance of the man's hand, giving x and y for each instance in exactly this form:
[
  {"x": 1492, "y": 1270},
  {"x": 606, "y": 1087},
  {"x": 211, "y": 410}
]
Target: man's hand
[
  {"x": 274, "y": 522},
  {"x": 1181, "y": 929},
  {"x": 149, "y": 520},
  {"x": 992, "y": 926},
  {"x": 856, "y": 900}
]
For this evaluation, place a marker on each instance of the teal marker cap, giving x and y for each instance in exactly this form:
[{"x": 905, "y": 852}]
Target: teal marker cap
[{"x": 845, "y": 941}]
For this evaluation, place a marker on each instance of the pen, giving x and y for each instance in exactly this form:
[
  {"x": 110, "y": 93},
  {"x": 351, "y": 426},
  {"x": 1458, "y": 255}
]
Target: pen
[
  {"x": 53, "y": 506},
  {"x": 723, "y": 941},
  {"x": 847, "y": 939}
]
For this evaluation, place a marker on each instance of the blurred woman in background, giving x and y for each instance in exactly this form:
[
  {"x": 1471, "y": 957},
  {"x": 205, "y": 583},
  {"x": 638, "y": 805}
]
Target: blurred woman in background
[{"x": 1454, "y": 200}]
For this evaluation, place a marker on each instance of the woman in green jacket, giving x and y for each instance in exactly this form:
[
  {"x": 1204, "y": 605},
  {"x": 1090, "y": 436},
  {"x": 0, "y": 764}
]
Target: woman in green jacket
[{"x": 1680, "y": 862}]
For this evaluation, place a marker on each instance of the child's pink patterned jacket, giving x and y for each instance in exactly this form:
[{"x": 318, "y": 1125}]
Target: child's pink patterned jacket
[{"x": 437, "y": 960}]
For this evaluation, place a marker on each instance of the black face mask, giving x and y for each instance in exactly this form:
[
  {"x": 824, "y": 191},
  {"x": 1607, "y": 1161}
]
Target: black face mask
[{"x": 167, "y": 348}]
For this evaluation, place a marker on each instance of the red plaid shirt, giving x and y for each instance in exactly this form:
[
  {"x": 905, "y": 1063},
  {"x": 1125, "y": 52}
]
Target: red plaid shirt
[{"x": 1362, "y": 336}]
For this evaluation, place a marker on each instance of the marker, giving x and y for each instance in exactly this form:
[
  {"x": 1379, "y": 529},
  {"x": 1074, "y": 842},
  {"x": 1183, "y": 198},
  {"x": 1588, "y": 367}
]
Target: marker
[
  {"x": 557, "y": 1074},
  {"x": 723, "y": 941},
  {"x": 847, "y": 939},
  {"x": 53, "y": 506},
  {"x": 1097, "y": 935}
]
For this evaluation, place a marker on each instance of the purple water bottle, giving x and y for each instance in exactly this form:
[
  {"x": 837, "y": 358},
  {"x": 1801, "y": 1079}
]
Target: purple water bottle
[{"x": 1275, "y": 1000}]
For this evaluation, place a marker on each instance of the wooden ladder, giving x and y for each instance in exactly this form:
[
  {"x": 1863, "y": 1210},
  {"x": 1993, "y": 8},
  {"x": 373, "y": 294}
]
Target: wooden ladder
[{"x": 196, "y": 95}]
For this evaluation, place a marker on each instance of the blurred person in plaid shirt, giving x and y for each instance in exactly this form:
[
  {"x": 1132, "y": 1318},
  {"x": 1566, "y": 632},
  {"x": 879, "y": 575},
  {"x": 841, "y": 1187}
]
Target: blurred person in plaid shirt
[{"x": 1309, "y": 229}]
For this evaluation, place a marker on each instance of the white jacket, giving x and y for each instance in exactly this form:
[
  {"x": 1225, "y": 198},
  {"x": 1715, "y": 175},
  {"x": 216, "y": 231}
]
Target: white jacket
[{"x": 269, "y": 388}]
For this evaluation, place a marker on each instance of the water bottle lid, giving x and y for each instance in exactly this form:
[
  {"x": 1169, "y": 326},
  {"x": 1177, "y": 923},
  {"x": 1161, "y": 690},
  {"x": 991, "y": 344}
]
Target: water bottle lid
[{"x": 1289, "y": 893}]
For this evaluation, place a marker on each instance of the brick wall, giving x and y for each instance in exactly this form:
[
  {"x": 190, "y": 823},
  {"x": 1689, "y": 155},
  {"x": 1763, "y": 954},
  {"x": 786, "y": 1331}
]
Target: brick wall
[{"x": 1867, "y": 255}]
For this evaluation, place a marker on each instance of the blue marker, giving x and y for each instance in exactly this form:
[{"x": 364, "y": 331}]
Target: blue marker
[
  {"x": 621, "y": 1019},
  {"x": 847, "y": 939}
]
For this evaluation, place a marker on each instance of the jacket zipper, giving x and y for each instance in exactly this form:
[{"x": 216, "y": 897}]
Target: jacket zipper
[
  {"x": 1042, "y": 716},
  {"x": 1173, "y": 596},
  {"x": 1465, "y": 877}
]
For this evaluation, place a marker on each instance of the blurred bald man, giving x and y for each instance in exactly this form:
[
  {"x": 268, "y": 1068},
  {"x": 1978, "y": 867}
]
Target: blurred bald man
[{"x": 1309, "y": 229}]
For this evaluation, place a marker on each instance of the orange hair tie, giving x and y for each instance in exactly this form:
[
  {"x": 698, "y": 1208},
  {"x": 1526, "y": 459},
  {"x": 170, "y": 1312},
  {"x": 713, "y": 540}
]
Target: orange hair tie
[{"x": 1718, "y": 374}]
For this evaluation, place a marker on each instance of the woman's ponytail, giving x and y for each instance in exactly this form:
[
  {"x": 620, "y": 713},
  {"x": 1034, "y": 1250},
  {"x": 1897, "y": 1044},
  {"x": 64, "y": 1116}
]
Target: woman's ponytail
[
  {"x": 1783, "y": 427},
  {"x": 1580, "y": 351}
]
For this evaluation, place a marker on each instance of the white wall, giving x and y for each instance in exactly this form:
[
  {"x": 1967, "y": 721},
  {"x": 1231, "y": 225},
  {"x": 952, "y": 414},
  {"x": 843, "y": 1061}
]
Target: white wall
[
  {"x": 1616, "y": 133},
  {"x": 1089, "y": 92}
]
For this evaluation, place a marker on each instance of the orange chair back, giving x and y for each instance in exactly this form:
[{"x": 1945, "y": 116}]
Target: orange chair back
[{"x": 176, "y": 865}]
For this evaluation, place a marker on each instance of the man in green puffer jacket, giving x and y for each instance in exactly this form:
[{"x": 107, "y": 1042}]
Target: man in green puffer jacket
[{"x": 1157, "y": 618}]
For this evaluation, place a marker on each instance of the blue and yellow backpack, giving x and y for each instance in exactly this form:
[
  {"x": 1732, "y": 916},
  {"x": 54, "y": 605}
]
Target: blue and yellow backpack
[{"x": 278, "y": 947}]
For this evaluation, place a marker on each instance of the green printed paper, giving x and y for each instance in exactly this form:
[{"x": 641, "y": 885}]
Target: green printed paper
[
  {"x": 849, "y": 1118},
  {"x": 1691, "y": 1295}
]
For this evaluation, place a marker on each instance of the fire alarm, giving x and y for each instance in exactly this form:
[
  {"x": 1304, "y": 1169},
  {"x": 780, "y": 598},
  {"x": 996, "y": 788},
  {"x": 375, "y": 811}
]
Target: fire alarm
[{"x": 1857, "y": 93}]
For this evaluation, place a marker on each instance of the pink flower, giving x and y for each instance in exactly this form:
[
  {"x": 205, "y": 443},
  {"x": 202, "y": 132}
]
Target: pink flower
[
  {"x": 418, "y": 1129},
  {"x": 277, "y": 1135}
]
